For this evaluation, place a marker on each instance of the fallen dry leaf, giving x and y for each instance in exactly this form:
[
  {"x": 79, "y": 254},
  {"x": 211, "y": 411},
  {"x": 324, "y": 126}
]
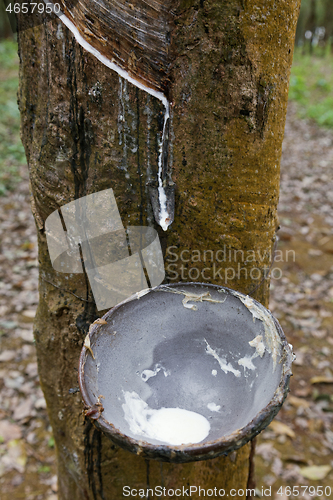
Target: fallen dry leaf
[
  {"x": 87, "y": 345},
  {"x": 296, "y": 459},
  {"x": 16, "y": 457},
  {"x": 40, "y": 403},
  {"x": 23, "y": 410},
  {"x": 303, "y": 393},
  {"x": 266, "y": 450},
  {"x": 8, "y": 355},
  {"x": 28, "y": 316},
  {"x": 320, "y": 379},
  {"x": 32, "y": 369},
  {"x": 27, "y": 335},
  {"x": 315, "y": 472},
  {"x": 298, "y": 402},
  {"x": 9, "y": 431},
  {"x": 100, "y": 321},
  {"x": 281, "y": 429}
]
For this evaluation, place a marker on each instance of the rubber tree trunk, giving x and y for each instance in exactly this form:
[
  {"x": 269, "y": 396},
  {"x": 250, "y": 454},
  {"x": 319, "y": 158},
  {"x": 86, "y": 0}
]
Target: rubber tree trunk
[{"x": 85, "y": 129}]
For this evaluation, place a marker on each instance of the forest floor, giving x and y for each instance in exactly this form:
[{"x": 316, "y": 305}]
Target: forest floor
[
  {"x": 300, "y": 452},
  {"x": 297, "y": 448}
]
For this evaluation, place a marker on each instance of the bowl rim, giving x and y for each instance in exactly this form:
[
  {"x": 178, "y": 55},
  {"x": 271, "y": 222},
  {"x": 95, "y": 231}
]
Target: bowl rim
[{"x": 192, "y": 452}]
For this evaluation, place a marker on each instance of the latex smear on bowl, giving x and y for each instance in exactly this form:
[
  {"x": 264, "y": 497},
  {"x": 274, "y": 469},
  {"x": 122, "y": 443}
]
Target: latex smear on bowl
[
  {"x": 213, "y": 407},
  {"x": 226, "y": 367},
  {"x": 174, "y": 426},
  {"x": 272, "y": 337}
]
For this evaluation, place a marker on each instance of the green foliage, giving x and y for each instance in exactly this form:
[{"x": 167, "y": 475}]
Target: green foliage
[
  {"x": 315, "y": 14},
  {"x": 44, "y": 468},
  {"x": 11, "y": 150},
  {"x": 51, "y": 442},
  {"x": 311, "y": 87},
  {"x": 5, "y": 28}
]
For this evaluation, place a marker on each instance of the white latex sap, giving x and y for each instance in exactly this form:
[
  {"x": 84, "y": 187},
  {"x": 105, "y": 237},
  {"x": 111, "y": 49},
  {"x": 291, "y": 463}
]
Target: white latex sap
[
  {"x": 164, "y": 216},
  {"x": 173, "y": 426}
]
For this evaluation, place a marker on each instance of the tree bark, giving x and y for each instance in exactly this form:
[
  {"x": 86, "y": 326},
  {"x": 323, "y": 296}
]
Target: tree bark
[{"x": 85, "y": 129}]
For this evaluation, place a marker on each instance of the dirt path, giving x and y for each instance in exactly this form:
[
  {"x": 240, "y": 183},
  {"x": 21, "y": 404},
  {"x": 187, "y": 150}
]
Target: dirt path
[
  {"x": 300, "y": 452},
  {"x": 302, "y": 299}
]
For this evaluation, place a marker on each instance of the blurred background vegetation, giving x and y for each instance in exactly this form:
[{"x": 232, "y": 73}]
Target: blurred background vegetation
[
  {"x": 12, "y": 155},
  {"x": 311, "y": 83}
]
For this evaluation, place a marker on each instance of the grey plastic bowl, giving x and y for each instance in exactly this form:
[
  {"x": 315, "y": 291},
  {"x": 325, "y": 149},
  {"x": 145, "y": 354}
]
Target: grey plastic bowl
[{"x": 203, "y": 344}]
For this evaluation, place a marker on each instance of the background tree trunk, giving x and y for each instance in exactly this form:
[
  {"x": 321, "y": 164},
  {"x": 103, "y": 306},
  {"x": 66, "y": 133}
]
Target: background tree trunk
[{"x": 85, "y": 129}]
